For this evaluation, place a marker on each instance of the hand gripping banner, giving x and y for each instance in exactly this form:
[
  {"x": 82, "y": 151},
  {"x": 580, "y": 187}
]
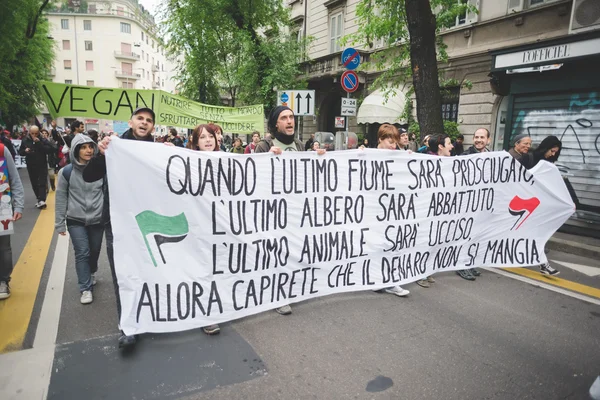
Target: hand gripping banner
[{"x": 208, "y": 237}]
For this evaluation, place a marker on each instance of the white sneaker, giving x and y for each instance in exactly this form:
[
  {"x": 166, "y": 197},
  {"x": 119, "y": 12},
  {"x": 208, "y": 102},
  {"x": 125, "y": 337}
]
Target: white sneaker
[
  {"x": 42, "y": 204},
  {"x": 398, "y": 291},
  {"x": 87, "y": 297},
  {"x": 37, "y": 205},
  {"x": 4, "y": 290},
  {"x": 94, "y": 280}
]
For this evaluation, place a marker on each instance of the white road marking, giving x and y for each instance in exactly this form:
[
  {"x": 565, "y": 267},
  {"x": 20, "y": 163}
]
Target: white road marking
[
  {"x": 584, "y": 269},
  {"x": 544, "y": 285},
  {"x": 26, "y": 374}
]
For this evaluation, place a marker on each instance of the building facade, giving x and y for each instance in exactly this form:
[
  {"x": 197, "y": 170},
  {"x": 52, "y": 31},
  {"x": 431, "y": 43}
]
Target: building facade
[
  {"x": 112, "y": 44},
  {"x": 532, "y": 65}
]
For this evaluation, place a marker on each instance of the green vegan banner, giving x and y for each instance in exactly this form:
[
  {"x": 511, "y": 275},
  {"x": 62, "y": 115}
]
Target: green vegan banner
[{"x": 65, "y": 100}]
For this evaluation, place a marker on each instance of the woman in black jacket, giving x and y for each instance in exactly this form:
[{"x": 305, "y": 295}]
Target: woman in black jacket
[{"x": 548, "y": 150}]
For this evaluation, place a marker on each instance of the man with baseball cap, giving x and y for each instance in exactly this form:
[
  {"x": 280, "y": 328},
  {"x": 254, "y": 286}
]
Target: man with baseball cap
[{"x": 141, "y": 126}]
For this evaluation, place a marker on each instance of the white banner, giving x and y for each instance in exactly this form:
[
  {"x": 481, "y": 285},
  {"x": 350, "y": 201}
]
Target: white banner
[
  {"x": 208, "y": 237},
  {"x": 19, "y": 161}
]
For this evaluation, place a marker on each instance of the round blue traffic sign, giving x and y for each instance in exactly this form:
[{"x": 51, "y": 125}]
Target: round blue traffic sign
[
  {"x": 284, "y": 97},
  {"x": 349, "y": 81},
  {"x": 350, "y": 58}
]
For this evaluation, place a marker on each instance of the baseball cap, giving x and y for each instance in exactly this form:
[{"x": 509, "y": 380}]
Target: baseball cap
[{"x": 146, "y": 109}]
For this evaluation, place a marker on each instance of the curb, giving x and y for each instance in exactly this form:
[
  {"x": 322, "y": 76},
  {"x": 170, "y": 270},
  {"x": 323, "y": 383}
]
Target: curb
[{"x": 569, "y": 246}]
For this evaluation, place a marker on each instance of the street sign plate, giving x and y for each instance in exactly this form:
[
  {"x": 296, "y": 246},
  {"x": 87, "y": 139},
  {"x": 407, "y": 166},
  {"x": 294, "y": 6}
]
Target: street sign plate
[
  {"x": 348, "y": 107},
  {"x": 340, "y": 122},
  {"x": 350, "y": 58},
  {"x": 349, "y": 81},
  {"x": 302, "y": 102}
]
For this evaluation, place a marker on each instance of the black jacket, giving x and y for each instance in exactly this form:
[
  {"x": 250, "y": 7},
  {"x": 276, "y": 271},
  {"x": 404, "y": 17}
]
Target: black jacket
[
  {"x": 96, "y": 168},
  {"x": 8, "y": 144},
  {"x": 472, "y": 150},
  {"x": 37, "y": 157}
]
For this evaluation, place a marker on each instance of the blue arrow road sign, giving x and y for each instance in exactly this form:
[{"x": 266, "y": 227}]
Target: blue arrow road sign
[
  {"x": 284, "y": 97},
  {"x": 350, "y": 58}
]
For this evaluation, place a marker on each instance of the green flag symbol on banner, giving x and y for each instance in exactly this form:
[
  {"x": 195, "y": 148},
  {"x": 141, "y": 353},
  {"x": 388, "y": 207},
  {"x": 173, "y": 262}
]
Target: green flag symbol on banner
[{"x": 165, "y": 229}]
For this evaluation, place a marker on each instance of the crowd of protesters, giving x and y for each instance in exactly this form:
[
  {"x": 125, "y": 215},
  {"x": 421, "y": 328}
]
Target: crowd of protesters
[{"x": 76, "y": 158}]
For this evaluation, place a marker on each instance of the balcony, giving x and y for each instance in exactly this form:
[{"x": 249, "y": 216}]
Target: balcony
[
  {"x": 155, "y": 85},
  {"x": 127, "y": 56},
  {"x": 328, "y": 66},
  {"x": 127, "y": 75},
  {"x": 155, "y": 68}
]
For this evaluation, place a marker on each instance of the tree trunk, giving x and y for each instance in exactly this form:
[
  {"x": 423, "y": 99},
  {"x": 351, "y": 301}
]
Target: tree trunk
[{"x": 421, "y": 28}]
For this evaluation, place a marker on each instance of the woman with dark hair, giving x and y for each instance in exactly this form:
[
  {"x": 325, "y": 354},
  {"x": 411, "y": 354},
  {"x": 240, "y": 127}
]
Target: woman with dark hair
[
  {"x": 237, "y": 146},
  {"x": 548, "y": 150},
  {"x": 203, "y": 138}
]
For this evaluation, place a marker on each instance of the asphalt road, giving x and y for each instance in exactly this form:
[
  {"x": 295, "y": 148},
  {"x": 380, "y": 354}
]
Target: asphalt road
[{"x": 495, "y": 338}]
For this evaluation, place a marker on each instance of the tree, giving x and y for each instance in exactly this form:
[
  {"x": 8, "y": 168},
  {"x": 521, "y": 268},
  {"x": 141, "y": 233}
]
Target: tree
[
  {"x": 408, "y": 31},
  {"x": 234, "y": 47},
  {"x": 25, "y": 61}
]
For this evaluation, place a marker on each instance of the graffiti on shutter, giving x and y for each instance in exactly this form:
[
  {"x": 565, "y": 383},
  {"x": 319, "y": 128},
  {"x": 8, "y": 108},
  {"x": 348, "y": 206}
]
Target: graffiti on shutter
[{"x": 575, "y": 119}]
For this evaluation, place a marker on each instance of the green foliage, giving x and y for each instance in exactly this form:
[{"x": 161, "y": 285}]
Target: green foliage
[
  {"x": 450, "y": 129},
  {"x": 239, "y": 48},
  {"x": 385, "y": 21},
  {"x": 24, "y": 61}
]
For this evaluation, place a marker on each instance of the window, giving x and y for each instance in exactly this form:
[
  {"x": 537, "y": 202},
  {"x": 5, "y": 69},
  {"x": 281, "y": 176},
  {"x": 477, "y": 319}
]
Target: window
[
  {"x": 163, "y": 83},
  {"x": 89, "y": 83},
  {"x": 125, "y": 28},
  {"x": 64, "y": 23},
  {"x": 69, "y": 81},
  {"x": 88, "y": 45},
  {"x": 142, "y": 36},
  {"x": 92, "y": 9},
  {"x": 146, "y": 39},
  {"x": 450, "y": 99},
  {"x": 67, "y": 64},
  {"x": 127, "y": 85},
  {"x": 466, "y": 17},
  {"x": 147, "y": 57},
  {"x": 147, "y": 74},
  {"x": 89, "y": 65},
  {"x": 142, "y": 55},
  {"x": 66, "y": 45},
  {"x": 336, "y": 29},
  {"x": 87, "y": 25},
  {"x": 153, "y": 45}
]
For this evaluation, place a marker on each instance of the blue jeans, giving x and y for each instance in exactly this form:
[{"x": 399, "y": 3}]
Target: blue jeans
[{"x": 87, "y": 242}]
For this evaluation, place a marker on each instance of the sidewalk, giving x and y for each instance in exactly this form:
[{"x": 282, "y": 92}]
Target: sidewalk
[{"x": 574, "y": 244}]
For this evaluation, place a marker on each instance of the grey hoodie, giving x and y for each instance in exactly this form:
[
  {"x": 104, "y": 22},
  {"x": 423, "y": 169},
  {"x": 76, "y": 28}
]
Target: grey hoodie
[
  {"x": 16, "y": 187},
  {"x": 76, "y": 199}
]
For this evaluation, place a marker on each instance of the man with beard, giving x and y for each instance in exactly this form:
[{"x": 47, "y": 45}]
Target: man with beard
[
  {"x": 481, "y": 138},
  {"x": 251, "y": 148},
  {"x": 281, "y": 127}
]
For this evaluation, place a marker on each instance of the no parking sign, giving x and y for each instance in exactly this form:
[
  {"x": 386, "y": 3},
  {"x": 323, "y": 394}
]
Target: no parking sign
[{"x": 349, "y": 81}]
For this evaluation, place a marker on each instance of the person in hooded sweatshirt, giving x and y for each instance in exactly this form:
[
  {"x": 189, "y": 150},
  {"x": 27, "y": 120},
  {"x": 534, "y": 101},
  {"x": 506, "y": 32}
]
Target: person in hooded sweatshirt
[
  {"x": 141, "y": 126},
  {"x": 79, "y": 209}
]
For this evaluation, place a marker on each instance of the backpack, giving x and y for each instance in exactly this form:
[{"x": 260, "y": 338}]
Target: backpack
[{"x": 67, "y": 170}]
